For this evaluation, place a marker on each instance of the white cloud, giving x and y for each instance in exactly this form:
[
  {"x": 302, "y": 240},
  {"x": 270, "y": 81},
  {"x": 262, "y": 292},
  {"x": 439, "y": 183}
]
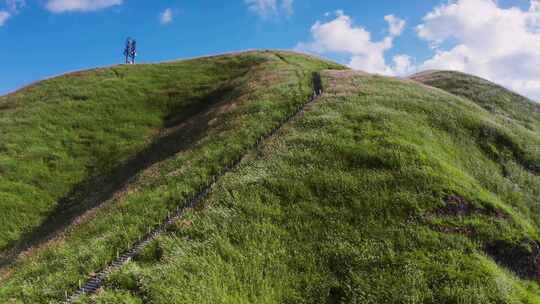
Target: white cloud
[
  {"x": 4, "y": 16},
  {"x": 403, "y": 65},
  {"x": 500, "y": 44},
  {"x": 396, "y": 25},
  {"x": 166, "y": 17},
  {"x": 342, "y": 36},
  {"x": 60, "y": 6},
  {"x": 268, "y": 8}
]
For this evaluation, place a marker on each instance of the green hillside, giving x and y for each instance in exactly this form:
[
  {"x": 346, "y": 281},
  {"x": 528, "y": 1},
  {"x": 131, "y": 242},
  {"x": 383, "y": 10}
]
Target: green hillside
[
  {"x": 71, "y": 142},
  {"x": 422, "y": 190}
]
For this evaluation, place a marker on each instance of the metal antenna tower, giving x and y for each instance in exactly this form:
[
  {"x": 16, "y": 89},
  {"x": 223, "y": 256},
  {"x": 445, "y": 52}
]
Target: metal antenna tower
[{"x": 130, "y": 51}]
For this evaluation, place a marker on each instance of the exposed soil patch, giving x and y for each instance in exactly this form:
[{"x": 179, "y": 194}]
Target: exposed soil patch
[
  {"x": 523, "y": 259},
  {"x": 5, "y": 274},
  {"x": 458, "y": 206},
  {"x": 453, "y": 230},
  {"x": 342, "y": 82},
  {"x": 340, "y": 74},
  {"x": 181, "y": 224}
]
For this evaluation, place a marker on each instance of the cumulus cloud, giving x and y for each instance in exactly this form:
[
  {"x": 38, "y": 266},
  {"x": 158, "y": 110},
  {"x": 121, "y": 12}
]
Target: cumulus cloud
[
  {"x": 396, "y": 25},
  {"x": 166, "y": 17},
  {"x": 403, "y": 65},
  {"x": 4, "y": 16},
  {"x": 342, "y": 36},
  {"x": 268, "y": 8},
  {"x": 500, "y": 44},
  {"x": 60, "y": 6}
]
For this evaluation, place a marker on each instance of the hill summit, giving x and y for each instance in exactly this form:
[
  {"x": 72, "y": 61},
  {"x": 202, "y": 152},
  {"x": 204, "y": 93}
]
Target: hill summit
[{"x": 268, "y": 177}]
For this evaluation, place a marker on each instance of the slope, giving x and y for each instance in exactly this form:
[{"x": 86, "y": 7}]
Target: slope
[
  {"x": 216, "y": 108},
  {"x": 490, "y": 96},
  {"x": 64, "y": 138},
  {"x": 514, "y": 136},
  {"x": 383, "y": 192}
]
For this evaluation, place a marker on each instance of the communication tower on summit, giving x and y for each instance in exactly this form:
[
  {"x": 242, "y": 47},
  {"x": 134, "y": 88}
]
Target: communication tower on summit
[{"x": 130, "y": 51}]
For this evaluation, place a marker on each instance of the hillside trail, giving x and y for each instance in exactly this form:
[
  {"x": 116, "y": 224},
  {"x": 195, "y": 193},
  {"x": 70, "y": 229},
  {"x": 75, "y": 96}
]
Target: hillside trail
[{"x": 96, "y": 282}]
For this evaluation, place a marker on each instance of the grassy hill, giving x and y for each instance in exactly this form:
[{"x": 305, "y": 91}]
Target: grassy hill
[{"x": 383, "y": 191}]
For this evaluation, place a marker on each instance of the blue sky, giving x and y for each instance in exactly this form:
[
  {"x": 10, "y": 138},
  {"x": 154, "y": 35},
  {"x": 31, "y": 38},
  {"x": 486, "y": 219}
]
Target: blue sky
[{"x": 40, "y": 38}]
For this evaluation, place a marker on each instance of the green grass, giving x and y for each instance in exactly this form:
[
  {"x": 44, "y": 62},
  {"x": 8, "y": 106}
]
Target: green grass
[
  {"x": 383, "y": 191},
  {"x": 64, "y": 138},
  {"x": 342, "y": 207},
  {"x": 519, "y": 115},
  {"x": 223, "y": 104},
  {"x": 492, "y": 97}
]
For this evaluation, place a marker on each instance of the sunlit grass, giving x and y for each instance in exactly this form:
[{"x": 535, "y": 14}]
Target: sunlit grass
[
  {"x": 233, "y": 101},
  {"x": 349, "y": 203},
  {"x": 341, "y": 207}
]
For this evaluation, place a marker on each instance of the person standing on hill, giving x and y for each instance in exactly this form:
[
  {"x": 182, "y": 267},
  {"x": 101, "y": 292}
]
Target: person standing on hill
[{"x": 317, "y": 84}]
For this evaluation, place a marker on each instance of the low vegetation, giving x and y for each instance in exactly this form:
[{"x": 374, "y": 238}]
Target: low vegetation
[
  {"x": 235, "y": 99},
  {"x": 381, "y": 193},
  {"x": 384, "y": 191}
]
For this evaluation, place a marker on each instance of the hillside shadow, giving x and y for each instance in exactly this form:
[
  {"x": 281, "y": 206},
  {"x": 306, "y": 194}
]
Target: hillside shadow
[
  {"x": 522, "y": 258},
  {"x": 499, "y": 146},
  {"x": 185, "y": 130}
]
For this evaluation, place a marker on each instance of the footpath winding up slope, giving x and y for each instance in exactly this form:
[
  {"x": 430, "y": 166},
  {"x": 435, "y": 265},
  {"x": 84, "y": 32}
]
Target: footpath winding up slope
[
  {"x": 96, "y": 281},
  {"x": 210, "y": 111},
  {"x": 382, "y": 191}
]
